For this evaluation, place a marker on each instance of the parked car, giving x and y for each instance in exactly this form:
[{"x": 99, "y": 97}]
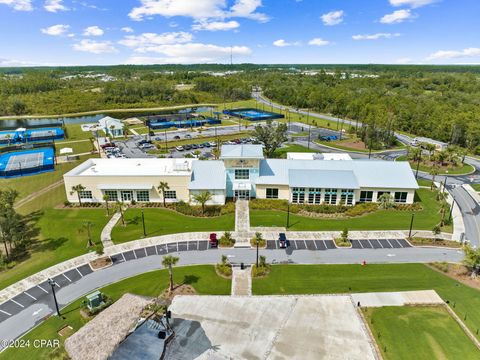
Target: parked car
[
  {"x": 187, "y": 147},
  {"x": 188, "y": 136},
  {"x": 107, "y": 145},
  {"x": 207, "y": 144},
  {"x": 213, "y": 240},
  {"x": 194, "y": 146},
  {"x": 282, "y": 241},
  {"x": 176, "y": 137},
  {"x": 158, "y": 138},
  {"x": 201, "y": 146},
  {"x": 179, "y": 148},
  {"x": 237, "y": 141},
  {"x": 213, "y": 143}
]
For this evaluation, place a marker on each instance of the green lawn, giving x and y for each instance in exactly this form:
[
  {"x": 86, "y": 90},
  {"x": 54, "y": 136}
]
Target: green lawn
[
  {"x": 75, "y": 132},
  {"x": 202, "y": 278},
  {"x": 47, "y": 200},
  {"x": 282, "y": 152},
  {"x": 459, "y": 170},
  {"x": 425, "y": 219},
  {"x": 422, "y": 333},
  {"x": 424, "y": 182},
  {"x": 78, "y": 146},
  {"x": 331, "y": 279},
  {"x": 59, "y": 240},
  {"x": 160, "y": 221},
  {"x": 476, "y": 187}
]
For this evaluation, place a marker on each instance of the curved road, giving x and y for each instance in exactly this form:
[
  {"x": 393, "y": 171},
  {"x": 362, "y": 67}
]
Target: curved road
[{"x": 31, "y": 313}]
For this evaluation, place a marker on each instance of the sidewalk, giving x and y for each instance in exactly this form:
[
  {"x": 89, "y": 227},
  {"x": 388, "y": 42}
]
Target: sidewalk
[
  {"x": 242, "y": 223},
  {"x": 106, "y": 235},
  {"x": 241, "y": 282}
]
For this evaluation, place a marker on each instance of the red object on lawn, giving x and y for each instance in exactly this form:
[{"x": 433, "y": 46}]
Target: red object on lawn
[
  {"x": 364, "y": 262},
  {"x": 213, "y": 240}
]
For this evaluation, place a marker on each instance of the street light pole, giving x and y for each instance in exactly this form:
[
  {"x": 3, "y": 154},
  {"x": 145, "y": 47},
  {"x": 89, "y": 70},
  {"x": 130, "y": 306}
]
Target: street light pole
[
  {"x": 257, "y": 251},
  {"x": 451, "y": 209},
  {"x": 418, "y": 166},
  {"x": 411, "y": 226},
  {"x": 309, "y": 127},
  {"x": 166, "y": 141},
  {"x": 53, "y": 284},
  {"x": 288, "y": 215},
  {"x": 143, "y": 223}
]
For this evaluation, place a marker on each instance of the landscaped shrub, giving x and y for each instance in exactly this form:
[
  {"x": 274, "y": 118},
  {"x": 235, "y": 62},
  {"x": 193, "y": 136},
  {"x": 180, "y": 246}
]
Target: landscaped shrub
[
  {"x": 227, "y": 240},
  {"x": 224, "y": 267},
  {"x": 261, "y": 241},
  {"x": 262, "y": 269},
  {"x": 361, "y": 209}
]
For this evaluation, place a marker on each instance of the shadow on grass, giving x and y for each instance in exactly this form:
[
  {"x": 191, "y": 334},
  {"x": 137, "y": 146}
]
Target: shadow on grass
[
  {"x": 50, "y": 244},
  {"x": 190, "y": 279}
]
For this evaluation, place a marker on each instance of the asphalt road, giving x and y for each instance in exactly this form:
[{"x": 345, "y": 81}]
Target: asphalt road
[{"x": 31, "y": 315}]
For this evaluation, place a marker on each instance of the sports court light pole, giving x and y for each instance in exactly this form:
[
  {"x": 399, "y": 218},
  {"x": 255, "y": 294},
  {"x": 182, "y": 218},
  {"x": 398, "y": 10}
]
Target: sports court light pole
[
  {"x": 288, "y": 215},
  {"x": 53, "y": 284},
  {"x": 411, "y": 226}
]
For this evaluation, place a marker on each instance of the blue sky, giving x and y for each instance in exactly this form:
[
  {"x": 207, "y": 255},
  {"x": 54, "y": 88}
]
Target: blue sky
[{"x": 82, "y": 32}]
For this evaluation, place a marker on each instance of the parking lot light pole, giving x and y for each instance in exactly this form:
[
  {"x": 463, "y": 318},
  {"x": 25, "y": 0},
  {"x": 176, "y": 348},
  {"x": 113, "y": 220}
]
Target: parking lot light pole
[
  {"x": 53, "y": 284},
  {"x": 411, "y": 226},
  {"x": 451, "y": 209},
  {"x": 258, "y": 241},
  {"x": 288, "y": 215},
  {"x": 143, "y": 223},
  {"x": 166, "y": 141},
  {"x": 418, "y": 166}
]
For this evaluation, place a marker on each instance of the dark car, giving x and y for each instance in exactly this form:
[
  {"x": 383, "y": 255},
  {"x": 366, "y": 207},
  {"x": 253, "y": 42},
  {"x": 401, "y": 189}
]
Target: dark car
[
  {"x": 282, "y": 241},
  {"x": 213, "y": 240},
  {"x": 106, "y": 145},
  {"x": 187, "y": 147},
  {"x": 207, "y": 144},
  {"x": 194, "y": 146},
  {"x": 176, "y": 137}
]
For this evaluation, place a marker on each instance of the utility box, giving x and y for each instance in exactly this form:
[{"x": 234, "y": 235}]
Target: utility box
[{"x": 94, "y": 300}]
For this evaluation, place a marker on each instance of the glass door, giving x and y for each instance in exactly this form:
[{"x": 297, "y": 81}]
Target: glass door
[{"x": 127, "y": 195}]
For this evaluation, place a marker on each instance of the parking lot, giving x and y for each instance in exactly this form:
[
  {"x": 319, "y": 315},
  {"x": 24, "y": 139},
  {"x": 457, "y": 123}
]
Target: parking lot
[{"x": 329, "y": 244}]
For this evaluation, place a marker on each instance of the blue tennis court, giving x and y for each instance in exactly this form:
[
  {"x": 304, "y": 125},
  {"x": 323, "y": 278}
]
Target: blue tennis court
[
  {"x": 31, "y": 135},
  {"x": 253, "y": 114},
  {"x": 27, "y": 162},
  {"x": 159, "y": 124}
]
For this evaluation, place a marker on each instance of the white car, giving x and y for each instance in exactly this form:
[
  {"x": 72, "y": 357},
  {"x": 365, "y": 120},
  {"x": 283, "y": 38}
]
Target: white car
[{"x": 179, "y": 148}]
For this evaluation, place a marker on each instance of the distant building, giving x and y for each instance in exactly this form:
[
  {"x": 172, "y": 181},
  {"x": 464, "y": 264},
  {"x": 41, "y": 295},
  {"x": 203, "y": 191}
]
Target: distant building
[
  {"x": 317, "y": 156},
  {"x": 243, "y": 172},
  {"x": 112, "y": 127},
  {"x": 439, "y": 145}
]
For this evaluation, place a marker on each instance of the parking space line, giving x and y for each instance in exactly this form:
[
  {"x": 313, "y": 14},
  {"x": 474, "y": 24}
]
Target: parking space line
[
  {"x": 177, "y": 246},
  {"x": 6, "y": 313},
  {"x": 135, "y": 254},
  {"x": 16, "y": 302},
  {"x": 145, "y": 249},
  {"x": 46, "y": 292},
  {"x": 398, "y": 242},
  {"x": 66, "y": 277},
  {"x": 123, "y": 257},
  {"x": 79, "y": 272},
  {"x": 34, "y": 298},
  {"x": 381, "y": 245},
  {"x": 371, "y": 245},
  {"x": 360, "y": 242},
  {"x": 315, "y": 244}
]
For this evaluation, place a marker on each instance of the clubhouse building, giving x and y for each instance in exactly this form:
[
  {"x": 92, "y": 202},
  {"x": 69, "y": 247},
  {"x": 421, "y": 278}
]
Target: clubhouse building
[{"x": 243, "y": 172}]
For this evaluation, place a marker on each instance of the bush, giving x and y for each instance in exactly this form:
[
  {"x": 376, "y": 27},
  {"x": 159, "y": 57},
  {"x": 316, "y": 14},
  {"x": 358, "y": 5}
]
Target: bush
[
  {"x": 99, "y": 249},
  {"x": 224, "y": 269},
  {"x": 262, "y": 269},
  {"x": 442, "y": 266},
  {"x": 361, "y": 209},
  {"x": 67, "y": 203},
  {"x": 227, "y": 240},
  {"x": 261, "y": 241}
]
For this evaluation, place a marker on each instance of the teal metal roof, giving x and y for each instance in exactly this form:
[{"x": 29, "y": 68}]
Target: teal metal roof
[
  {"x": 338, "y": 179},
  {"x": 242, "y": 151}
]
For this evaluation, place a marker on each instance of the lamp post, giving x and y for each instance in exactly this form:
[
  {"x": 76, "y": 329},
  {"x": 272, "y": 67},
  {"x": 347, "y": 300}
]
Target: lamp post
[
  {"x": 288, "y": 215},
  {"x": 143, "y": 223},
  {"x": 370, "y": 149},
  {"x": 309, "y": 127},
  {"x": 166, "y": 141},
  {"x": 419, "y": 158},
  {"x": 445, "y": 181},
  {"x": 53, "y": 284},
  {"x": 258, "y": 241},
  {"x": 411, "y": 226},
  {"x": 451, "y": 209}
]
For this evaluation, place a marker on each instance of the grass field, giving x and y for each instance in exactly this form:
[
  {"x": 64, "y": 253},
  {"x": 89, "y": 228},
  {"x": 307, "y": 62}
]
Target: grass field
[
  {"x": 202, "y": 278},
  {"x": 424, "y": 182},
  {"x": 282, "y": 152},
  {"x": 422, "y": 333},
  {"x": 160, "y": 221},
  {"x": 78, "y": 146},
  {"x": 425, "y": 219},
  {"x": 331, "y": 279},
  {"x": 59, "y": 240},
  {"x": 460, "y": 170},
  {"x": 476, "y": 187}
]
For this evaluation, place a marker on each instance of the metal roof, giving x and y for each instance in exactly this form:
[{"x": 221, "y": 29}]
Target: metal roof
[
  {"x": 242, "y": 151},
  {"x": 338, "y": 179},
  {"x": 208, "y": 175},
  {"x": 374, "y": 174}
]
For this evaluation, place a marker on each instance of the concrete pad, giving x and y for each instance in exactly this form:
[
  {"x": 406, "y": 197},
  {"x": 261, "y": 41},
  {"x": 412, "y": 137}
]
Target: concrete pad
[
  {"x": 270, "y": 327},
  {"x": 402, "y": 298}
]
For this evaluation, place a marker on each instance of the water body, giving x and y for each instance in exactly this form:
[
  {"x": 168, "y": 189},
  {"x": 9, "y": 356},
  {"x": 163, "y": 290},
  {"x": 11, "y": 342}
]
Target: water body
[{"x": 59, "y": 121}]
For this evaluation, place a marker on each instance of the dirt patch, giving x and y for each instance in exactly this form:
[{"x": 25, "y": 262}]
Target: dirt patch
[
  {"x": 356, "y": 144},
  {"x": 183, "y": 289},
  {"x": 457, "y": 272},
  {"x": 435, "y": 242},
  {"x": 65, "y": 331},
  {"x": 101, "y": 263}
]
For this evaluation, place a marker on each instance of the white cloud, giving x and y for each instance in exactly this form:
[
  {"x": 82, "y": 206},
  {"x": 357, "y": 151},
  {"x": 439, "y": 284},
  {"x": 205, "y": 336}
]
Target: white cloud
[
  {"x": 397, "y": 17},
  {"x": 375, "y": 36},
  {"x": 412, "y": 3},
  {"x": 198, "y": 9},
  {"x": 454, "y": 54},
  {"x": 142, "y": 41},
  {"x": 127, "y": 29},
  {"x": 318, "y": 42},
  {"x": 20, "y": 5},
  {"x": 95, "y": 47},
  {"x": 333, "y": 18},
  {"x": 216, "y": 25},
  {"x": 93, "y": 31},
  {"x": 283, "y": 43},
  {"x": 55, "y": 30},
  {"x": 54, "y": 5},
  {"x": 189, "y": 54}
]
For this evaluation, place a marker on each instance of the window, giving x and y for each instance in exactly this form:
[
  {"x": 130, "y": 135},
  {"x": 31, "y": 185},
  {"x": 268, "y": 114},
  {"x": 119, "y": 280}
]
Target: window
[
  {"x": 331, "y": 196},
  {"x": 170, "y": 194},
  {"x": 401, "y": 197},
  {"x": 347, "y": 196},
  {"x": 272, "y": 193},
  {"x": 380, "y": 193},
  {"x": 366, "y": 196},
  {"x": 314, "y": 196},
  {"x": 112, "y": 195},
  {"x": 85, "y": 194},
  {"x": 298, "y": 195},
  {"x": 143, "y": 195},
  {"x": 242, "y": 174}
]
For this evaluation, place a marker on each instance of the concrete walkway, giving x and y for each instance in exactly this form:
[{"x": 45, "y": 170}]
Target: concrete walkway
[
  {"x": 401, "y": 298},
  {"x": 106, "y": 235},
  {"x": 241, "y": 282},
  {"x": 242, "y": 223}
]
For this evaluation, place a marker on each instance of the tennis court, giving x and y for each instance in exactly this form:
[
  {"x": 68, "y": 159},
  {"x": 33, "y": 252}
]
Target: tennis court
[
  {"x": 44, "y": 134},
  {"x": 253, "y": 114},
  {"x": 29, "y": 162}
]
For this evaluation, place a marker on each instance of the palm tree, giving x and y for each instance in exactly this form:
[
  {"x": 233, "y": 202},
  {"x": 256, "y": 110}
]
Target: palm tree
[
  {"x": 120, "y": 207},
  {"x": 202, "y": 198},
  {"x": 385, "y": 200},
  {"x": 78, "y": 189},
  {"x": 433, "y": 173},
  {"x": 112, "y": 127},
  {"x": 162, "y": 187},
  {"x": 92, "y": 142},
  {"x": 169, "y": 262},
  {"x": 430, "y": 148},
  {"x": 87, "y": 228},
  {"x": 9, "y": 138},
  {"x": 216, "y": 153},
  {"x": 106, "y": 198}
]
